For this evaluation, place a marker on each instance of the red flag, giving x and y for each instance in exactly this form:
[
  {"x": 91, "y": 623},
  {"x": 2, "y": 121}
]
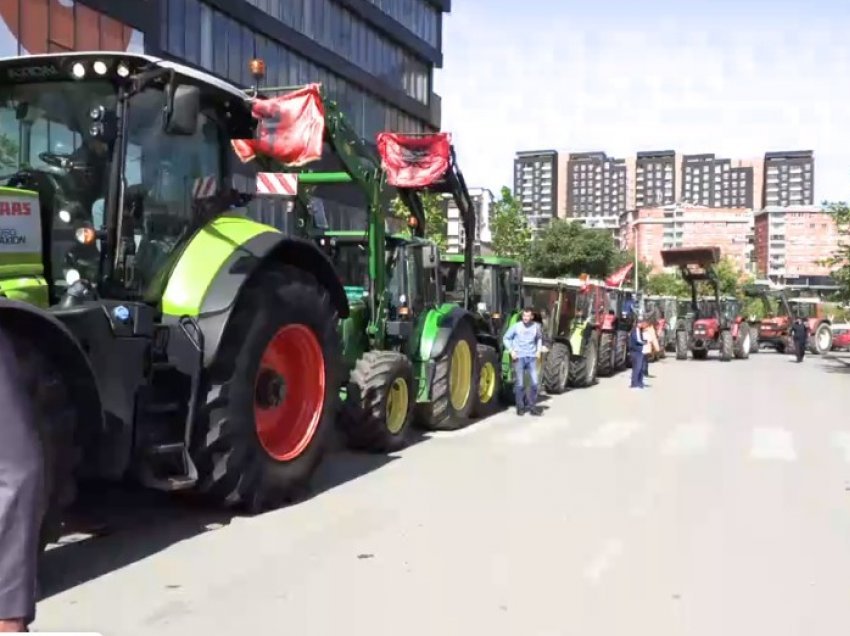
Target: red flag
[
  {"x": 414, "y": 162},
  {"x": 291, "y": 128},
  {"x": 617, "y": 278}
]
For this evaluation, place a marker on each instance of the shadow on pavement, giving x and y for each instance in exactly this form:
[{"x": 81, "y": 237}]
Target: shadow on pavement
[
  {"x": 113, "y": 526},
  {"x": 834, "y": 364}
]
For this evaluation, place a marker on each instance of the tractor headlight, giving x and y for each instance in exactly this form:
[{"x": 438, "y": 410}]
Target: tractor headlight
[
  {"x": 100, "y": 67},
  {"x": 123, "y": 70},
  {"x": 78, "y": 70}
]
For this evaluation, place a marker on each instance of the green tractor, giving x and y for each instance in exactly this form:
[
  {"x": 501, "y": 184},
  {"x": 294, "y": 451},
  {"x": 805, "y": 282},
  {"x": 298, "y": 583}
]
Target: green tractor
[
  {"x": 495, "y": 299},
  {"x": 166, "y": 335}
]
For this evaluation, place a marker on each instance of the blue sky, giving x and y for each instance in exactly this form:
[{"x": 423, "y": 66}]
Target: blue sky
[{"x": 733, "y": 77}]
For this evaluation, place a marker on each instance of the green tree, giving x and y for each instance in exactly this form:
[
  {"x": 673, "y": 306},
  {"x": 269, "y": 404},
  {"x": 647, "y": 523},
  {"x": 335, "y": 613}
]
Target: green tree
[
  {"x": 667, "y": 284},
  {"x": 509, "y": 227},
  {"x": 436, "y": 223},
  {"x": 566, "y": 248},
  {"x": 8, "y": 152},
  {"x": 839, "y": 260}
]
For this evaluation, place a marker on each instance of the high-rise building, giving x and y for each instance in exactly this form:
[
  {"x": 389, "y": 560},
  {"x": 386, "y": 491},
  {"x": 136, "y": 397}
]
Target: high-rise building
[
  {"x": 789, "y": 178},
  {"x": 536, "y": 185},
  {"x": 482, "y": 200},
  {"x": 792, "y": 241},
  {"x": 596, "y": 188},
  {"x": 655, "y": 178},
  {"x": 715, "y": 183}
]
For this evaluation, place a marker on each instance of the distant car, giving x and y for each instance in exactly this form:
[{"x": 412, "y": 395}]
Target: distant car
[{"x": 841, "y": 336}]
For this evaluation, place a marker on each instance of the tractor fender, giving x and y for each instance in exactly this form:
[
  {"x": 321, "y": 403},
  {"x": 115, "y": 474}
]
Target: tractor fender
[
  {"x": 439, "y": 326},
  {"x": 213, "y": 298},
  {"x": 71, "y": 361}
]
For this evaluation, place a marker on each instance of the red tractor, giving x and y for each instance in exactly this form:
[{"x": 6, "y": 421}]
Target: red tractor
[
  {"x": 614, "y": 326},
  {"x": 715, "y": 326},
  {"x": 781, "y": 310}
]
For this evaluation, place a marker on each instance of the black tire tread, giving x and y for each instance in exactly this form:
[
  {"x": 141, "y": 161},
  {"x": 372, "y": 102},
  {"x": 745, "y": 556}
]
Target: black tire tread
[
  {"x": 726, "y": 346},
  {"x": 439, "y": 415},
  {"x": 681, "y": 345},
  {"x": 605, "y": 364},
  {"x": 558, "y": 356},
  {"x": 580, "y": 375}
]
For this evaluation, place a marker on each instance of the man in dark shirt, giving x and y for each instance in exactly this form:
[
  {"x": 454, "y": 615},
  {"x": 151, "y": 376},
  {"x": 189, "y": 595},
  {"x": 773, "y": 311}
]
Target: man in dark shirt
[{"x": 800, "y": 336}]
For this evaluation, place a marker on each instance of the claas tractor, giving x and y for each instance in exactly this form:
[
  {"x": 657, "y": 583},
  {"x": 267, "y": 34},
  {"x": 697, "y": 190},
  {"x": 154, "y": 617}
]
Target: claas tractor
[
  {"x": 495, "y": 301},
  {"x": 711, "y": 328},
  {"x": 780, "y": 310},
  {"x": 664, "y": 311},
  {"x": 554, "y": 302},
  {"x": 165, "y": 335},
  {"x": 588, "y": 313}
]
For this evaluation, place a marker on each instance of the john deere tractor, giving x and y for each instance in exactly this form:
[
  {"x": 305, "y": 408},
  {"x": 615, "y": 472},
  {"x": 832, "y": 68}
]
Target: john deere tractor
[
  {"x": 495, "y": 299},
  {"x": 165, "y": 335}
]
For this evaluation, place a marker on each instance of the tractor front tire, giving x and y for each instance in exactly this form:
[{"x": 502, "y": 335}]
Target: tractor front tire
[
  {"x": 606, "y": 354},
  {"x": 726, "y": 346},
  {"x": 556, "y": 369},
  {"x": 489, "y": 382},
  {"x": 582, "y": 371},
  {"x": 56, "y": 420},
  {"x": 820, "y": 343},
  {"x": 381, "y": 396},
  {"x": 273, "y": 393},
  {"x": 682, "y": 345},
  {"x": 743, "y": 343},
  {"x": 754, "y": 339},
  {"x": 455, "y": 383},
  {"x": 621, "y": 354}
]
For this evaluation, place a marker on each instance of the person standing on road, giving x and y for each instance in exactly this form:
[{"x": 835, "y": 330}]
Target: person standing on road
[
  {"x": 636, "y": 344},
  {"x": 800, "y": 336},
  {"x": 21, "y": 488},
  {"x": 525, "y": 341}
]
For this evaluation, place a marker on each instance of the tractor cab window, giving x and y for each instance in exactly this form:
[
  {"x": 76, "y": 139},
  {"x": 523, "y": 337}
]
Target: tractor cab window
[
  {"x": 804, "y": 310},
  {"x": 422, "y": 280},
  {"x": 453, "y": 281},
  {"x": 484, "y": 288},
  {"x": 351, "y": 262},
  {"x": 584, "y": 304},
  {"x": 167, "y": 179},
  {"x": 46, "y": 146},
  {"x": 507, "y": 293}
]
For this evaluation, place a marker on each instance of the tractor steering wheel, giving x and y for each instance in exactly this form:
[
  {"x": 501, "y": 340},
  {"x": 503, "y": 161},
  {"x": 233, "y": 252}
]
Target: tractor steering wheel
[{"x": 55, "y": 160}]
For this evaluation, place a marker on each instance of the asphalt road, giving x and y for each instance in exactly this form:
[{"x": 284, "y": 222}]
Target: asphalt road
[{"x": 717, "y": 501}]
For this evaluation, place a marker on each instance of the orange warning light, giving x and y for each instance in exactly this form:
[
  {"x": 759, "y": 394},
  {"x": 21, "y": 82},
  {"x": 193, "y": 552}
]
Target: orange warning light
[{"x": 258, "y": 68}]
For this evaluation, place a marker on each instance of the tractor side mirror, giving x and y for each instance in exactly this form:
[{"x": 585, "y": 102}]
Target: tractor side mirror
[{"x": 182, "y": 111}]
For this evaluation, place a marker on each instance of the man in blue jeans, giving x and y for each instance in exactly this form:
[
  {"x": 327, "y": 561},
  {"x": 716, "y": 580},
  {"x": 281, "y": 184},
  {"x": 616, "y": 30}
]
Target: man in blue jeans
[
  {"x": 525, "y": 342},
  {"x": 636, "y": 352}
]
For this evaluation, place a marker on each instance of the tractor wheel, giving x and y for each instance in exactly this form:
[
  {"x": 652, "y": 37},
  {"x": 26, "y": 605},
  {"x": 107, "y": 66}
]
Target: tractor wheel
[
  {"x": 489, "y": 382},
  {"x": 621, "y": 350},
  {"x": 606, "y": 354},
  {"x": 754, "y": 339},
  {"x": 455, "y": 383},
  {"x": 272, "y": 399},
  {"x": 727, "y": 345},
  {"x": 556, "y": 369},
  {"x": 742, "y": 343},
  {"x": 780, "y": 347},
  {"x": 682, "y": 345},
  {"x": 820, "y": 342},
  {"x": 55, "y": 418},
  {"x": 582, "y": 372},
  {"x": 381, "y": 396}
]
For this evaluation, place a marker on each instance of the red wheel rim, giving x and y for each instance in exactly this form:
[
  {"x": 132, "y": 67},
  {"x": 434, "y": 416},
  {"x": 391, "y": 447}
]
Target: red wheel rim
[{"x": 289, "y": 392}]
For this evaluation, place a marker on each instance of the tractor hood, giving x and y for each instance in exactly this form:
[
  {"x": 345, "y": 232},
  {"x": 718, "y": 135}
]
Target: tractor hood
[{"x": 708, "y": 325}]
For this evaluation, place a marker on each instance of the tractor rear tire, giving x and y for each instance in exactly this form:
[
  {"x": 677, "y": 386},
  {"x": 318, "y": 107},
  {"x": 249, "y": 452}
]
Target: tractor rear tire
[
  {"x": 489, "y": 382},
  {"x": 556, "y": 369},
  {"x": 754, "y": 339},
  {"x": 606, "y": 354},
  {"x": 682, "y": 345},
  {"x": 444, "y": 414},
  {"x": 582, "y": 371},
  {"x": 621, "y": 354},
  {"x": 273, "y": 396},
  {"x": 726, "y": 345},
  {"x": 379, "y": 410},
  {"x": 742, "y": 343},
  {"x": 820, "y": 343}
]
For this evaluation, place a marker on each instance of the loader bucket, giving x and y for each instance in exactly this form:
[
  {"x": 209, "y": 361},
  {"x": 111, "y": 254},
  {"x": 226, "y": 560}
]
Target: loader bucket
[{"x": 694, "y": 256}]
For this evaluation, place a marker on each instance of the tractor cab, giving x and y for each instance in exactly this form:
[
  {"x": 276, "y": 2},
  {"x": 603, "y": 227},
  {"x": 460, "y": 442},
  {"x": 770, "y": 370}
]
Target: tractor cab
[{"x": 116, "y": 160}]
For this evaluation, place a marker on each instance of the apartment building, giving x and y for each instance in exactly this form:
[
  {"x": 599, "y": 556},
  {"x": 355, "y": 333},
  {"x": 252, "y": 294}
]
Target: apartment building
[
  {"x": 536, "y": 185},
  {"x": 791, "y": 241},
  {"x": 712, "y": 182},
  {"x": 651, "y": 230},
  {"x": 596, "y": 189},
  {"x": 655, "y": 178},
  {"x": 483, "y": 201},
  {"x": 789, "y": 178}
]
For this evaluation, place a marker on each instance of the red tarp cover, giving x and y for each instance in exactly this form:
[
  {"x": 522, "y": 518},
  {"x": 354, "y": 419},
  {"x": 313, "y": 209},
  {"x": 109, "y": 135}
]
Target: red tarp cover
[
  {"x": 291, "y": 128},
  {"x": 414, "y": 162}
]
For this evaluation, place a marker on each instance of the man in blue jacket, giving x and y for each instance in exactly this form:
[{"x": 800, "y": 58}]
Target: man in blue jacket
[
  {"x": 524, "y": 340},
  {"x": 636, "y": 351}
]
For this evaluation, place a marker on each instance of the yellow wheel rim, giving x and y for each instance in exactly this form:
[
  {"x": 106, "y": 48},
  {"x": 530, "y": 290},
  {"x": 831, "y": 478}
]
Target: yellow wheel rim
[
  {"x": 460, "y": 376},
  {"x": 398, "y": 400},
  {"x": 487, "y": 385}
]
